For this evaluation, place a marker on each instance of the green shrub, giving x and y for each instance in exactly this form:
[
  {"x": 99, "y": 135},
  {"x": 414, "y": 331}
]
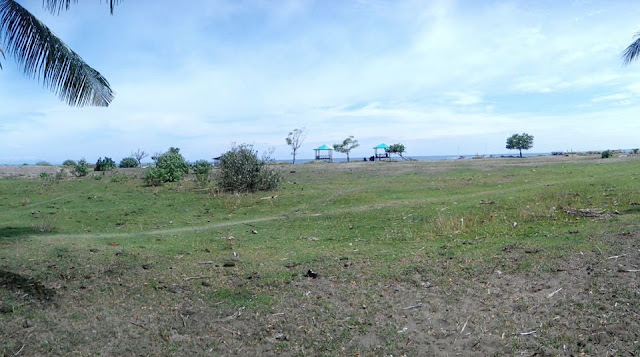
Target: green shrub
[
  {"x": 128, "y": 162},
  {"x": 606, "y": 154},
  {"x": 635, "y": 151},
  {"x": 154, "y": 177},
  {"x": 120, "y": 178},
  {"x": 61, "y": 174},
  {"x": 69, "y": 162},
  {"x": 241, "y": 170},
  {"x": 170, "y": 167},
  {"x": 202, "y": 170},
  {"x": 42, "y": 163},
  {"x": 106, "y": 164},
  {"x": 81, "y": 168}
]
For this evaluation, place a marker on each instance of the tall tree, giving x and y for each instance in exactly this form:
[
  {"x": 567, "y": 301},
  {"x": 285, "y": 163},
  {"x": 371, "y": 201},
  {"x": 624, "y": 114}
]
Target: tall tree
[
  {"x": 397, "y": 149},
  {"x": 41, "y": 54},
  {"x": 347, "y": 145},
  {"x": 520, "y": 142},
  {"x": 295, "y": 140},
  {"x": 139, "y": 155}
]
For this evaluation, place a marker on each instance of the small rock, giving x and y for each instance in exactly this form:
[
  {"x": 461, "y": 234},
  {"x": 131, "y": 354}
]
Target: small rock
[
  {"x": 254, "y": 232},
  {"x": 146, "y": 266},
  {"x": 27, "y": 324},
  {"x": 280, "y": 337},
  {"x": 94, "y": 250},
  {"x": 311, "y": 274},
  {"x": 313, "y": 239},
  {"x": 205, "y": 283}
]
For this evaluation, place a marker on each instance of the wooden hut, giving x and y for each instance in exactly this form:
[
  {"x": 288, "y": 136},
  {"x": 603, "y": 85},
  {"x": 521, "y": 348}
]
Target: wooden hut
[
  {"x": 382, "y": 152},
  {"x": 324, "y": 153}
]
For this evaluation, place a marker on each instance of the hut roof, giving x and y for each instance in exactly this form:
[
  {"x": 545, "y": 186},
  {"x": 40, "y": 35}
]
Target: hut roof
[
  {"x": 324, "y": 147},
  {"x": 382, "y": 146}
]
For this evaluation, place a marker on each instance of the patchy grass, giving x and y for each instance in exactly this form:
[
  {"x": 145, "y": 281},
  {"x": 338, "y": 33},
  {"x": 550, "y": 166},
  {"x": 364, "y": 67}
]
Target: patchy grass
[{"x": 414, "y": 257}]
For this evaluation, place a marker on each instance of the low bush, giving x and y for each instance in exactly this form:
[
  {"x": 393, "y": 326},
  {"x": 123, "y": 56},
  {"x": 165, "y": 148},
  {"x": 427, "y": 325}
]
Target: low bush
[
  {"x": 69, "y": 162},
  {"x": 43, "y": 163},
  {"x": 606, "y": 154},
  {"x": 128, "y": 162},
  {"x": 241, "y": 170},
  {"x": 202, "y": 170},
  {"x": 81, "y": 168}
]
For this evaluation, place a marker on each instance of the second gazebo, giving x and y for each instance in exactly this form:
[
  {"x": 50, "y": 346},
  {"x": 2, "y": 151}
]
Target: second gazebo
[
  {"x": 382, "y": 152},
  {"x": 324, "y": 153}
]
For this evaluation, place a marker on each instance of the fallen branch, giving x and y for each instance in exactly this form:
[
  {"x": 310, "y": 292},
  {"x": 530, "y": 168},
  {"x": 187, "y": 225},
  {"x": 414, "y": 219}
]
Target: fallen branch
[
  {"x": 138, "y": 324},
  {"x": 235, "y": 314},
  {"x": 413, "y": 307},
  {"x": 553, "y": 293},
  {"x": 527, "y": 333},
  {"x": 20, "y": 350},
  {"x": 198, "y": 277},
  {"x": 617, "y": 256},
  {"x": 465, "y": 325},
  {"x": 628, "y": 270}
]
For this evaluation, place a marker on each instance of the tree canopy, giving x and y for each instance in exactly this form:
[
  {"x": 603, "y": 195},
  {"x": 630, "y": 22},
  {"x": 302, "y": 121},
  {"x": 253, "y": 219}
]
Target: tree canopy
[
  {"x": 397, "y": 149},
  {"x": 41, "y": 54},
  {"x": 520, "y": 142},
  {"x": 346, "y": 146}
]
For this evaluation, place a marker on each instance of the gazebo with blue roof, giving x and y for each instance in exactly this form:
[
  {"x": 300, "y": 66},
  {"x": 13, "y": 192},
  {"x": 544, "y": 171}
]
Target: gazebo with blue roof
[
  {"x": 324, "y": 153},
  {"x": 385, "y": 151}
]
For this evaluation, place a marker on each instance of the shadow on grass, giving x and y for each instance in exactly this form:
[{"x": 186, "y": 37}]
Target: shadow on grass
[
  {"x": 8, "y": 234},
  {"x": 13, "y": 281}
]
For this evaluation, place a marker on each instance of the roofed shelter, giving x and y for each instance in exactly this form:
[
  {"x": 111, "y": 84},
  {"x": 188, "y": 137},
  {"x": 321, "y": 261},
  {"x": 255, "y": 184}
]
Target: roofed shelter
[
  {"x": 324, "y": 153},
  {"x": 382, "y": 152}
]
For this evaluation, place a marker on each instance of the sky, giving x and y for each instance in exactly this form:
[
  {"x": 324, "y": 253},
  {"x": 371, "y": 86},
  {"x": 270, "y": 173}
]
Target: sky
[{"x": 441, "y": 77}]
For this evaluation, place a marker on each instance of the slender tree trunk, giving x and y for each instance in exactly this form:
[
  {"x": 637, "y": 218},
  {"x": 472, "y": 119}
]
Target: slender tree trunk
[
  {"x": 294, "y": 157},
  {"x": 347, "y": 156},
  {"x": 520, "y": 152}
]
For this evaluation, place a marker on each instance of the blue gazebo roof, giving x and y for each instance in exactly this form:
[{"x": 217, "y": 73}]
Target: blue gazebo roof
[
  {"x": 382, "y": 146},
  {"x": 324, "y": 147}
]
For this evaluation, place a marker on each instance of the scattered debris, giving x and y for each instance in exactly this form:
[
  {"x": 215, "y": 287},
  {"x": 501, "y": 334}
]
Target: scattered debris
[
  {"x": 313, "y": 239},
  {"x": 413, "y": 306},
  {"x": 527, "y": 333},
  {"x": 404, "y": 329},
  {"x": 486, "y": 202},
  {"x": 616, "y": 256},
  {"x": 311, "y": 274},
  {"x": 198, "y": 277},
  {"x": 465, "y": 325},
  {"x": 207, "y": 262},
  {"x": 229, "y": 264},
  {"x": 553, "y": 293}
]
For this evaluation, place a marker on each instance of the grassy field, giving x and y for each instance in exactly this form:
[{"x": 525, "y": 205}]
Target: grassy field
[{"x": 476, "y": 257}]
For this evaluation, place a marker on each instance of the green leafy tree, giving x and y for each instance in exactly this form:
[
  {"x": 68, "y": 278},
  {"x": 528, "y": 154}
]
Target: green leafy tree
[
  {"x": 170, "y": 167},
  {"x": 346, "y": 146},
  {"x": 41, "y": 54},
  {"x": 240, "y": 170},
  {"x": 106, "y": 164},
  {"x": 397, "y": 149},
  {"x": 295, "y": 140},
  {"x": 635, "y": 151},
  {"x": 128, "y": 162},
  {"x": 520, "y": 142}
]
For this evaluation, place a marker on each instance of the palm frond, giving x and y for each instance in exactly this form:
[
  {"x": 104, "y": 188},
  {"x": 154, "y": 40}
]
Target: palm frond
[
  {"x": 41, "y": 54},
  {"x": 632, "y": 52},
  {"x": 55, "y": 6}
]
